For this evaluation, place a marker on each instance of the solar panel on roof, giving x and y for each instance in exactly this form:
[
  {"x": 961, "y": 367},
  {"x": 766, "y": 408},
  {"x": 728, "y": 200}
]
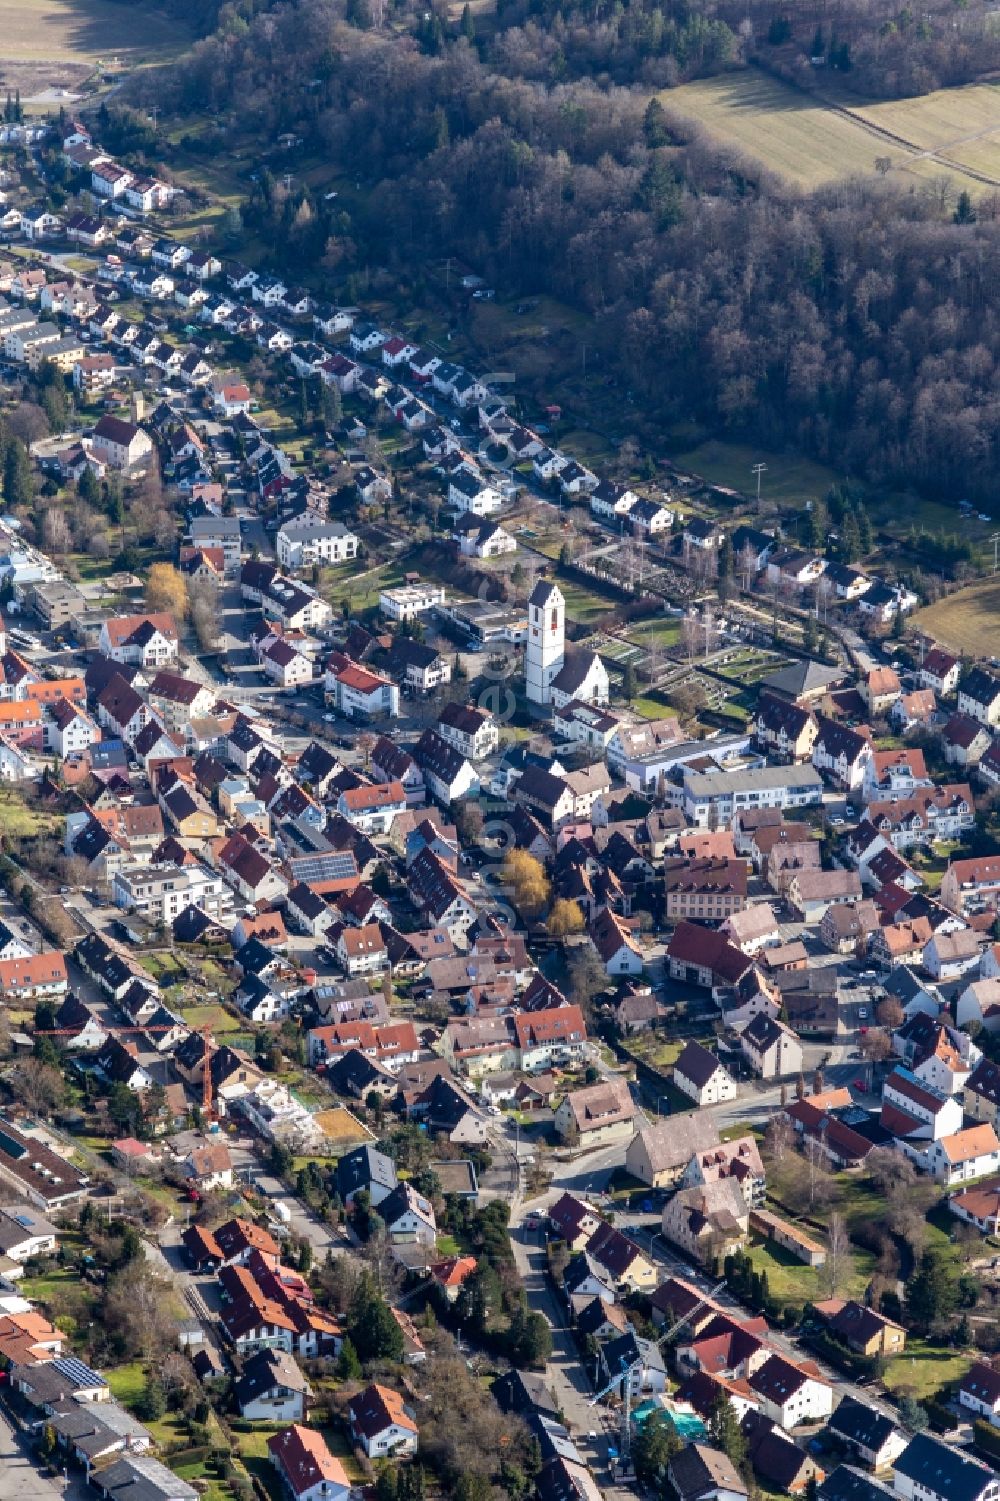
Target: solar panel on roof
[
  {"x": 75, "y": 1370},
  {"x": 12, "y": 1148},
  {"x": 333, "y": 867}
]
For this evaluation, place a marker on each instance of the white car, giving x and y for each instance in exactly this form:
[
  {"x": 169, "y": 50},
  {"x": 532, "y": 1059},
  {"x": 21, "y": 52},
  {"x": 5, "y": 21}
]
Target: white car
[
  {"x": 836, "y": 821},
  {"x": 863, "y": 1012},
  {"x": 329, "y": 719}
]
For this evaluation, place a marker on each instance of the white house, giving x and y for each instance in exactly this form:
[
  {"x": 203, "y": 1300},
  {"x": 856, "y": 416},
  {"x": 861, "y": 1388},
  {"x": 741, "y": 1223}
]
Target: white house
[
  {"x": 306, "y": 1466},
  {"x": 699, "y": 1074},
  {"x": 272, "y": 1389},
  {"x": 929, "y": 1470},
  {"x": 970, "y": 1153},
  {"x": 790, "y": 1395},
  {"x": 381, "y": 1423}
]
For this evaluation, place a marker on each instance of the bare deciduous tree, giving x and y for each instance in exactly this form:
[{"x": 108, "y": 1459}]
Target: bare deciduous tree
[
  {"x": 779, "y": 1139},
  {"x": 876, "y": 1045},
  {"x": 838, "y": 1247},
  {"x": 818, "y": 1172},
  {"x": 37, "y": 1085}
]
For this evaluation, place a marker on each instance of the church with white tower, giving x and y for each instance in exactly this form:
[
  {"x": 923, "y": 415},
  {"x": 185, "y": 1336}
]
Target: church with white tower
[{"x": 552, "y": 677}]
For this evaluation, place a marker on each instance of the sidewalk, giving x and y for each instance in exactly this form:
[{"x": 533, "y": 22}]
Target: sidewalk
[{"x": 21, "y": 1478}]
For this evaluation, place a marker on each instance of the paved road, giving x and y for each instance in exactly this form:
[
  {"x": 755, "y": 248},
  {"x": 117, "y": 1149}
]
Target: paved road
[
  {"x": 303, "y": 1223},
  {"x": 588, "y": 1175},
  {"x": 22, "y": 1480}
]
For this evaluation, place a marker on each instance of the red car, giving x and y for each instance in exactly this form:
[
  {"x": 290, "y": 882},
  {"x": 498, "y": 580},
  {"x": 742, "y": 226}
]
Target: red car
[{"x": 860, "y": 1084}]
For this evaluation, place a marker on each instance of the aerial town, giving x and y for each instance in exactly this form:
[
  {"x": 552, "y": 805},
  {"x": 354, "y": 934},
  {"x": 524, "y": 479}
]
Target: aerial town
[{"x": 451, "y": 1047}]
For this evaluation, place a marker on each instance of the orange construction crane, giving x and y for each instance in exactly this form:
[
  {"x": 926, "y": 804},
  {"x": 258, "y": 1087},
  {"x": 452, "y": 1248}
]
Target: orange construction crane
[{"x": 207, "y": 1093}]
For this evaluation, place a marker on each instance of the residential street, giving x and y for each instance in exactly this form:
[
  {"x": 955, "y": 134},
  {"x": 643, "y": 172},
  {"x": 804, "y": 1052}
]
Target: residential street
[
  {"x": 588, "y": 1175},
  {"x": 22, "y": 1480}
]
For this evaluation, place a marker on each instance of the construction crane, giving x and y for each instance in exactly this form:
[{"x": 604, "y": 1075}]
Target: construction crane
[
  {"x": 624, "y": 1380},
  {"x": 208, "y": 1109}
]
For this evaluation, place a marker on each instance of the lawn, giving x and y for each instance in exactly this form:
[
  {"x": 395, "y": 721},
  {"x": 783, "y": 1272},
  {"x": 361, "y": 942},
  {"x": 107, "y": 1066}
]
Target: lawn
[
  {"x": 789, "y": 479},
  {"x": 924, "y": 1368},
  {"x": 251, "y": 1442},
  {"x": 967, "y": 621},
  {"x": 583, "y": 603},
  {"x": 809, "y": 142},
  {"x": 19, "y": 821},
  {"x": 127, "y": 1382},
  {"x": 448, "y": 1246},
  {"x": 360, "y": 591},
  {"x": 659, "y": 1052},
  {"x": 163, "y": 967},
  {"x": 587, "y": 447},
  {"x": 47, "y": 1285},
  {"x": 652, "y": 706},
  {"x": 937, "y": 121},
  {"x": 665, "y": 630},
  {"x": 791, "y": 1281},
  {"x": 86, "y": 31},
  {"x": 738, "y": 1129},
  {"x": 210, "y": 1015}
]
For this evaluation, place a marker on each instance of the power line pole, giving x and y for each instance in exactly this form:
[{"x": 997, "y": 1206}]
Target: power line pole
[
  {"x": 995, "y": 539},
  {"x": 758, "y": 470}
]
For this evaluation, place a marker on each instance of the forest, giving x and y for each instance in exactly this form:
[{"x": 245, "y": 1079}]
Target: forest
[{"x": 859, "y": 324}]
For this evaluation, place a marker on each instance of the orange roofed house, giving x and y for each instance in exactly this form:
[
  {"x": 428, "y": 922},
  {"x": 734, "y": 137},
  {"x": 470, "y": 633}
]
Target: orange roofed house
[
  {"x": 307, "y": 1468},
  {"x": 38, "y": 976},
  {"x": 21, "y": 724},
  {"x": 28, "y": 1337},
  {"x": 381, "y": 1424},
  {"x": 143, "y": 640},
  {"x": 358, "y": 692},
  {"x": 451, "y": 1274},
  {"x": 372, "y": 808}
]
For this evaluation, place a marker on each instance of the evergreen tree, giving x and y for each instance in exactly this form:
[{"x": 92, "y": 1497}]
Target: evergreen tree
[
  {"x": 809, "y": 637},
  {"x": 333, "y": 408},
  {"x": 850, "y": 538},
  {"x": 469, "y": 25},
  {"x": 931, "y": 1292},
  {"x": 866, "y": 532},
  {"x": 387, "y": 1484},
  {"x": 18, "y": 488},
  {"x": 724, "y": 1427},
  {"x": 964, "y": 212},
  {"x": 654, "y": 125},
  {"x": 88, "y": 486},
  {"x": 630, "y": 683},
  {"x": 371, "y": 1326},
  {"x": 529, "y": 1338},
  {"x": 655, "y": 1445},
  {"x": 726, "y": 557},
  {"x": 818, "y": 526},
  {"x": 660, "y": 192},
  {"x": 152, "y": 1403}
]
